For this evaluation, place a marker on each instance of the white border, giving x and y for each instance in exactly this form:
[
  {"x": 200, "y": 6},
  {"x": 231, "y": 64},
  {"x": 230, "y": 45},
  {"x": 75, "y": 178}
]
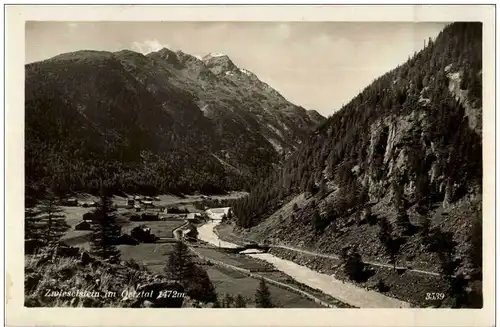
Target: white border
[{"x": 17, "y": 315}]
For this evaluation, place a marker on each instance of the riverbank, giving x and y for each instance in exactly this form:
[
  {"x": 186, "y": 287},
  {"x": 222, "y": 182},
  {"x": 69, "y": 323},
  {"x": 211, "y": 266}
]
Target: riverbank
[
  {"x": 405, "y": 285},
  {"x": 344, "y": 292}
]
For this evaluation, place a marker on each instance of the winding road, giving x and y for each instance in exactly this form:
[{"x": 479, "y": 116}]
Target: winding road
[{"x": 332, "y": 256}]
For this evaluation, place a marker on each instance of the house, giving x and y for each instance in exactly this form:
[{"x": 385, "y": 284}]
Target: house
[
  {"x": 148, "y": 204},
  {"x": 130, "y": 202},
  {"x": 89, "y": 204},
  {"x": 137, "y": 198},
  {"x": 157, "y": 198},
  {"x": 150, "y": 215},
  {"x": 83, "y": 225},
  {"x": 89, "y": 216},
  {"x": 135, "y": 218},
  {"x": 143, "y": 234},
  {"x": 71, "y": 202},
  {"x": 193, "y": 216},
  {"x": 127, "y": 240}
]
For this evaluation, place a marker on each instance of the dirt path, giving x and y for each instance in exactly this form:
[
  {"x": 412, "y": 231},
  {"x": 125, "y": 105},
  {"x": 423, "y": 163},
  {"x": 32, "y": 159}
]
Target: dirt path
[{"x": 332, "y": 256}]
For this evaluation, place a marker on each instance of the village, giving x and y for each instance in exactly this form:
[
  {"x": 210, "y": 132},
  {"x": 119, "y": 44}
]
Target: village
[{"x": 144, "y": 219}]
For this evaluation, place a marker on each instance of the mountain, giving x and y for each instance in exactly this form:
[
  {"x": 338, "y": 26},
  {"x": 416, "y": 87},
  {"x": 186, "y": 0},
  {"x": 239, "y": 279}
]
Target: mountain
[
  {"x": 166, "y": 122},
  {"x": 403, "y": 159}
]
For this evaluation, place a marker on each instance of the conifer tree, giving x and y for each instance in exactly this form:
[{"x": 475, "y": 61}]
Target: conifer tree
[
  {"x": 240, "y": 302},
  {"x": 180, "y": 266},
  {"x": 354, "y": 267},
  {"x": 263, "y": 296},
  {"x": 390, "y": 243},
  {"x": 53, "y": 222},
  {"x": 105, "y": 230}
]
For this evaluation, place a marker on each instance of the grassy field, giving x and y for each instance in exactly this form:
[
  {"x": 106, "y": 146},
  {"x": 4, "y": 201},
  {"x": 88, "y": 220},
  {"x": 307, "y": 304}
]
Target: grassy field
[
  {"x": 161, "y": 228},
  {"x": 169, "y": 199},
  {"x": 233, "y": 282}
]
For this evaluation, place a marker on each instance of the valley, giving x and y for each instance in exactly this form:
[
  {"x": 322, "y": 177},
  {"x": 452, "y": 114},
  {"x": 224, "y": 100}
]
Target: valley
[{"x": 172, "y": 170}]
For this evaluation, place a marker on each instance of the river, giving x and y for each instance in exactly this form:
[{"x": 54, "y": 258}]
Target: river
[{"x": 345, "y": 292}]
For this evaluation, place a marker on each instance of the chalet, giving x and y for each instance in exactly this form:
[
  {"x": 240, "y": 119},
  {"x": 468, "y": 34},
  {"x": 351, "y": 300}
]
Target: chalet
[
  {"x": 89, "y": 204},
  {"x": 72, "y": 202},
  {"x": 143, "y": 234},
  {"x": 83, "y": 225},
  {"x": 135, "y": 218},
  {"x": 150, "y": 215},
  {"x": 148, "y": 204},
  {"x": 193, "y": 216},
  {"x": 127, "y": 240},
  {"x": 89, "y": 216}
]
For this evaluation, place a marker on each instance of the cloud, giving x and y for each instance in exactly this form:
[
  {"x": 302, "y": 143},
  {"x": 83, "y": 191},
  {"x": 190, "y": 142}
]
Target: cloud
[{"x": 148, "y": 46}]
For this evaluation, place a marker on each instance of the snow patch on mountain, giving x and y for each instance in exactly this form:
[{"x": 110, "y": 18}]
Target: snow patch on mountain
[{"x": 214, "y": 55}]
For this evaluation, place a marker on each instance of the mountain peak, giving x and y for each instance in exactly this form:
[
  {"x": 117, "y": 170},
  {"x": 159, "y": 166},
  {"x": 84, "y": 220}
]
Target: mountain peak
[
  {"x": 214, "y": 55},
  {"x": 219, "y": 63}
]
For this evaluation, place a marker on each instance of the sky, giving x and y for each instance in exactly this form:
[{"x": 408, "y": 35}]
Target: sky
[{"x": 317, "y": 65}]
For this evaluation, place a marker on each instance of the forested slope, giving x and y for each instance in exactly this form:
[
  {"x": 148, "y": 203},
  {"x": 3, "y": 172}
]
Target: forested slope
[{"x": 402, "y": 160}]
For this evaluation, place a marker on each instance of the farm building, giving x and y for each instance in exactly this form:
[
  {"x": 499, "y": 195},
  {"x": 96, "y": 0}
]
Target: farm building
[
  {"x": 193, "y": 216},
  {"x": 83, "y": 225},
  {"x": 89, "y": 216},
  {"x": 70, "y": 202},
  {"x": 127, "y": 240},
  {"x": 148, "y": 204},
  {"x": 150, "y": 215},
  {"x": 135, "y": 218},
  {"x": 143, "y": 234},
  {"x": 89, "y": 204}
]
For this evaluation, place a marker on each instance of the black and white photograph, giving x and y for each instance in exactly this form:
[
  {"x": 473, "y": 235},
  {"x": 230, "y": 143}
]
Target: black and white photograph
[{"x": 253, "y": 164}]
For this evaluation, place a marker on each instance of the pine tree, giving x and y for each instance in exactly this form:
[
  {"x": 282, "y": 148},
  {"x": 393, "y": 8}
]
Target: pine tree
[
  {"x": 105, "y": 230},
  {"x": 476, "y": 246},
  {"x": 180, "y": 266},
  {"x": 228, "y": 301},
  {"x": 240, "y": 302},
  {"x": 390, "y": 243},
  {"x": 263, "y": 296},
  {"x": 353, "y": 264},
  {"x": 53, "y": 221}
]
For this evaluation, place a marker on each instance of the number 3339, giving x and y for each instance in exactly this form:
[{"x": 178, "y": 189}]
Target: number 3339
[{"x": 434, "y": 296}]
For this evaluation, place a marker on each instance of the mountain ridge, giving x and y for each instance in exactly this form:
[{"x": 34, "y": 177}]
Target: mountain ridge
[
  {"x": 400, "y": 164},
  {"x": 164, "y": 103}
]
